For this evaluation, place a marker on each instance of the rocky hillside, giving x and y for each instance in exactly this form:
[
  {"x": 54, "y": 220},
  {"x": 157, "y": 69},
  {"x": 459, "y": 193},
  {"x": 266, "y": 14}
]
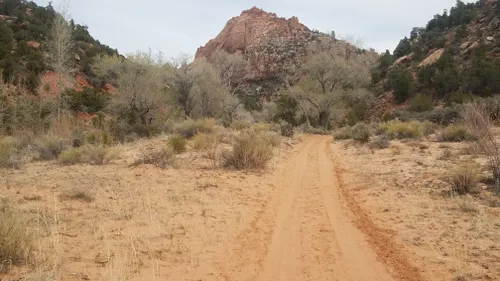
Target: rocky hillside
[
  {"x": 272, "y": 45},
  {"x": 24, "y": 27},
  {"x": 455, "y": 56}
]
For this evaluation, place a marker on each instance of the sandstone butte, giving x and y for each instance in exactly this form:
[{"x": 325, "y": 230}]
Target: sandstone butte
[{"x": 271, "y": 44}]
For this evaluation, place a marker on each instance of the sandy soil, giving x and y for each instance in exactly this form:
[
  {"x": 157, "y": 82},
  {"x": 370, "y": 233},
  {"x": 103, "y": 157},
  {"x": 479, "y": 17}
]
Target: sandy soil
[
  {"x": 404, "y": 188},
  {"x": 322, "y": 211}
]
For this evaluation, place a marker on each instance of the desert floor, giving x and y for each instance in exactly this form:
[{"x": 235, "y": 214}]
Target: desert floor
[{"x": 323, "y": 210}]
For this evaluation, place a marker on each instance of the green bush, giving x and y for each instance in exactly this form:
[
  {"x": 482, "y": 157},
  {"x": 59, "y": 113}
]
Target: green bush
[
  {"x": 177, "y": 143},
  {"x": 420, "y": 103},
  {"x": 250, "y": 151}
]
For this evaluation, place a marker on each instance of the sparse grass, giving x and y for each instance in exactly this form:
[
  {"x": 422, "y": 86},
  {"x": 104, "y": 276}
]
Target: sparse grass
[
  {"x": 454, "y": 133},
  {"x": 467, "y": 205},
  {"x": 262, "y": 127},
  {"x": 177, "y": 143},
  {"x": 50, "y": 147},
  {"x": 160, "y": 157},
  {"x": 16, "y": 238},
  {"x": 250, "y": 151},
  {"x": 464, "y": 179},
  {"x": 77, "y": 194},
  {"x": 447, "y": 154},
  {"x": 90, "y": 154},
  {"x": 190, "y": 128},
  {"x": 379, "y": 142}
]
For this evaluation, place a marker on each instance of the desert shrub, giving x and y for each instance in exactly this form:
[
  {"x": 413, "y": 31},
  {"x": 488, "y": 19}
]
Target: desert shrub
[
  {"x": 420, "y": 103},
  {"x": 177, "y": 143},
  {"x": 159, "y": 157},
  {"x": 401, "y": 130},
  {"x": 360, "y": 132},
  {"x": 98, "y": 154},
  {"x": 250, "y": 151},
  {"x": 71, "y": 156},
  {"x": 202, "y": 141},
  {"x": 16, "y": 237},
  {"x": 240, "y": 124},
  {"x": 98, "y": 137},
  {"x": 190, "y": 128},
  {"x": 271, "y": 138},
  {"x": 9, "y": 157},
  {"x": 49, "y": 147},
  {"x": 478, "y": 121},
  {"x": 379, "y": 142},
  {"x": 463, "y": 180},
  {"x": 287, "y": 130},
  {"x": 454, "y": 133},
  {"x": 77, "y": 194},
  {"x": 342, "y": 134},
  {"x": 122, "y": 131},
  {"x": 428, "y": 127},
  {"x": 262, "y": 127},
  {"x": 89, "y": 154}
]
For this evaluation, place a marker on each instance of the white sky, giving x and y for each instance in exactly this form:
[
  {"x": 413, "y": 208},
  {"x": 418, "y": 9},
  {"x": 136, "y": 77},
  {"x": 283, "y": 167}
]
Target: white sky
[{"x": 175, "y": 27}]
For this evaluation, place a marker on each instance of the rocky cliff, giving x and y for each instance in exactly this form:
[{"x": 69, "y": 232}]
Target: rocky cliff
[{"x": 272, "y": 45}]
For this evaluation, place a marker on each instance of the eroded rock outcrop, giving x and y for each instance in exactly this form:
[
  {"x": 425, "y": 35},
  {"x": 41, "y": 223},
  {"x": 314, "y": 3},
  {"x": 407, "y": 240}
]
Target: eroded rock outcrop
[{"x": 272, "y": 45}]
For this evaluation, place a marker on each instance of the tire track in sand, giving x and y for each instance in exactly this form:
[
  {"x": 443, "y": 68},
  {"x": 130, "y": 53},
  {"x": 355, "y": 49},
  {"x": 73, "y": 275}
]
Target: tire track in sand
[{"x": 307, "y": 231}]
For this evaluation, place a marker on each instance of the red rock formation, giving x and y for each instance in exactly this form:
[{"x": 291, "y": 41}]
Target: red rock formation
[{"x": 271, "y": 44}]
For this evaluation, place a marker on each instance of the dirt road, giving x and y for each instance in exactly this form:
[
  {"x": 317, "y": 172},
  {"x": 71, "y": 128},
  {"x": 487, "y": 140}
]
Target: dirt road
[{"x": 306, "y": 231}]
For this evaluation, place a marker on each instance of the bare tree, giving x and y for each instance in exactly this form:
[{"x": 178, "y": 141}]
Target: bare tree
[
  {"x": 231, "y": 68},
  {"x": 60, "y": 48},
  {"x": 141, "y": 83}
]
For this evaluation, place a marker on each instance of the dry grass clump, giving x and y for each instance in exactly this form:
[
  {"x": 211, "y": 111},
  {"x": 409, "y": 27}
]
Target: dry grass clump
[
  {"x": 464, "y": 179},
  {"x": 401, "y": 130},
  {"x": 77, "y": 194},
  {"x": 477, "y": 120},
  {"x": 250, "y": 151},
  {"x": 98, "y": 137},
  {"x": 360, "y": 132},
  {"x": 190, "y": 128},
  {"x": 49, "y": 147},
  {"x": 89, "y": 154},
  {"x": 203, "y": 141},
  {"x": 379, "y": 142},
  {"x": 177, "y": 143},
  {"x": 16, "y": 238},
  {"x": 454, "y": 133},
  {"x": 9, "y": 155},
  {"x": 272, "y": 138},
  {"x": 240, "y": 124},
  {"x": 342, "y": 134},
  {"x": 159, "y": 157}
]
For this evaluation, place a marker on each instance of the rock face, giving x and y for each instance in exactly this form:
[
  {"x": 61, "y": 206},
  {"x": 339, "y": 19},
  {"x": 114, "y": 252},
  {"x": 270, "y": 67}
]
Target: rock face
[{"x": 272, "y": 45}]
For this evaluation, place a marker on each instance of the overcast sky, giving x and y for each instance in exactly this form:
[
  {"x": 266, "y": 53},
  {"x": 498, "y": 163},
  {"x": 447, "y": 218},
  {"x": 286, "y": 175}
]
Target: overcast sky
[{"x": 181, "y": 26}]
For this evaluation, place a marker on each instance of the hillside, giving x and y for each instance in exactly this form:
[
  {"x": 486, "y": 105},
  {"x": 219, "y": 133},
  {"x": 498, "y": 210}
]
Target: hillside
[
  {"x": 275, "y": 47},
  {"x": 24, "y": 27},
  {"x": 454, "y": 57}
]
